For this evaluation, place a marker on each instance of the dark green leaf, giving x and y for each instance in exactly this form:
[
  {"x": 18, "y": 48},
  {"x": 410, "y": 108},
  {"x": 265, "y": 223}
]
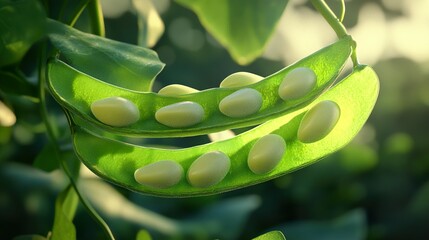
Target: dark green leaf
[
  {"x": 65, "y": 208},
  {"x": 117, "y": 63},
  {"x": 419, "y": 203},
  {"x": 242, "y": 26},
  {"x": 47, "y": 160},
  {"x": 5, "y": 134},
  {"x": 273, "y": 235},
  {"x": 22, "y": 23},
  {"x": 350, "y": 226},
  {"x": 223, "y": 220},
  {"x": 14, "y": 84}
]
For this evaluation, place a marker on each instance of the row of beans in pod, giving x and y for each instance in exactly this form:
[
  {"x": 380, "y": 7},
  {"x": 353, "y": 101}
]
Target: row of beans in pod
[
  {"x": 118, "y": 112},
  {"x": 212, "y": 167}
]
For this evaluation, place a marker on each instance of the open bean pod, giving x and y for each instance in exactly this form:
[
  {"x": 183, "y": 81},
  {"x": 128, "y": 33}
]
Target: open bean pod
[
  {"x": 77, "y": 91},
  {"x": 117, "y": 161}
]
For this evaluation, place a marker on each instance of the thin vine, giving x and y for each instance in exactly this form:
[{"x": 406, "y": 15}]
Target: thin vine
[{"x": 335, "y": 23}]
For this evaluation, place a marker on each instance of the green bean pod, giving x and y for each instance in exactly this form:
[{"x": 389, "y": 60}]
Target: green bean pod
[
  {"x": 117, "y": 161},
  {"x": 77, "y": 91}
]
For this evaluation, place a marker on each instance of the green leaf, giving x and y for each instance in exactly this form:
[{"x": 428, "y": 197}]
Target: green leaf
[
  {"x": 65, "y": 209},
  {"x": 350, "y": 226},
  {"x": 273, "y": 235},
  {"x": 77, "y": 91},
  {"x": 13, "y": 83},
  {"x": 143, "y": 235},
  {"x": 117, "y": 161},
  {"x": 22, "y": 23},
  {"x": 150, "y": 24},
  {"x": 117, "y": 63},
  {"x": 418, "y": 204},
  {"x": 241, "y": 26},
  {"x": 47, "y": 160},
  {"x": 224, "y": 219}
]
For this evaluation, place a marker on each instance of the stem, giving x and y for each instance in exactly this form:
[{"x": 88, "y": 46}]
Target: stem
[
  {"x": 82, "y": 5},
  {"x": 96, "y": 16},
  {"x": 57, "y": 150},
  {"x": 335, "y": 24},
  {"x": 343, "y": 10},
  {"x": 330, "y": 17}
]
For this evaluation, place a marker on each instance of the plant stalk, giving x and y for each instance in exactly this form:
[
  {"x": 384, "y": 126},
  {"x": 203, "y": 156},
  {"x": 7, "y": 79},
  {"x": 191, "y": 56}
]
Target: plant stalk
[
  {"x": 96, "y": 16},
  {"x": 335, "y": 23}
]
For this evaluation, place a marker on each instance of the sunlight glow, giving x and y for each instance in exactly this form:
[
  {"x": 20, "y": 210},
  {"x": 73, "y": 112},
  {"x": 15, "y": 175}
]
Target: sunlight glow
[{"x": 7, "y": 117}]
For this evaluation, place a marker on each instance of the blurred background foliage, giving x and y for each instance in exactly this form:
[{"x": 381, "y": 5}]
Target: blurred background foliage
[{"x": 375, "y": 188}]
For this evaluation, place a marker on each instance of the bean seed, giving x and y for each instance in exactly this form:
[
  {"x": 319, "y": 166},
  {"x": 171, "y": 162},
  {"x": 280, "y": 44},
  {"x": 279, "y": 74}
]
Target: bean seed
[
  {"x": 297, "y": 83},
  {"x": 162, "y": 174},
  {"x": 318, "y": 121},
  {"x": 240, "y": 79},
  {"x": 115, "y": 111},
  {"x": 241, "y": 103},
  {"x": 266, "y": 153},
  {"x": 176, "y": 90},
  {"x": 209, "y": 169},
  {"x": 182, "y": 114}
]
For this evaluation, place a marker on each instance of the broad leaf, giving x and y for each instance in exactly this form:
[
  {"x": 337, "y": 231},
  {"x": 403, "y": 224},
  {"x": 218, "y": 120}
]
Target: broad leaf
[
  {"x": 22, "y": 23},
  {"x": 225, "y": 219},
  {"x": 47, "y": 160},
  {"x": 12, "y": 83},
  {"x": 117, "y": 63},
  {"x": 350, "y": 226},
  {"x": 222, "y": 220},
  {"x": 65, "y": 208},
  {"x": 242, "y": 26}
]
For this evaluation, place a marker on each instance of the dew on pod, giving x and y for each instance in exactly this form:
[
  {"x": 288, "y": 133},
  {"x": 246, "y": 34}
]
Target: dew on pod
[
  {"x": 209, "y": 169},
  {"x": 297, "y": 83},
  {"x": 240, "y": 79},
  {"x": 318, "y": 121},
  {"x": 176, "y": 90},
  {"x": 115, "y": 111},
  {"x": 266, "y": 153},
  {"x": 162, "y": 174},
  {"x": 241, "y": 103},
  {"x": 182, "y": 114}
]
